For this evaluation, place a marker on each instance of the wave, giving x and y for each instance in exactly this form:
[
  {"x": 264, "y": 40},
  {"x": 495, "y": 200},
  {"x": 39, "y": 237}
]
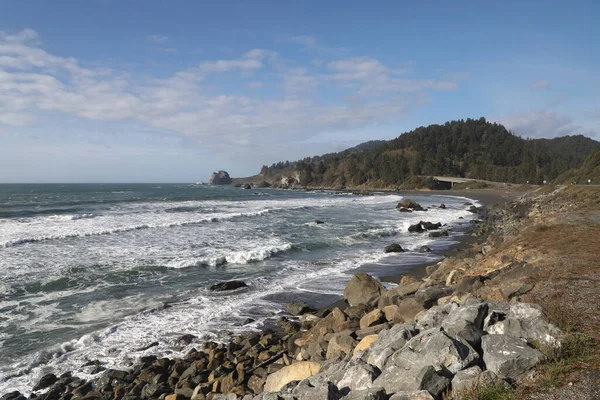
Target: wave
[
  {"x": 236, "y": 257},
  {"x": 226, "y": 217},
  {"x": 73, "y": 217}
]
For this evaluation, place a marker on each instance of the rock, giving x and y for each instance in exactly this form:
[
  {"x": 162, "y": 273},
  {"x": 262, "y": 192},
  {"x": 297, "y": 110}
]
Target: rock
[
  {"x": 416, "y": 228},
  {"x": 408, "y": 288},
  {"x": 220, "y": 178},
  {"x": 186, "y": 339},
  {"x": 391, "y": 314},
  {"x": 295, "y": 372},
  {"x": 358, "y": 377},
  {"x": 434, "y": 317},
  {"x": 394, "y": 248},
  {"x": 438, "y": 234},
  {"x": 405, "y": 210},
  {"x": 533, "y": 331},
  {"x": 363, "y": 289},
  {"x": 365, "y": 343},
  {"x": 472, "y": 379},
  {"x": 256, "y": 383},
  {"x": 395, "y": 379},
  {"x": 340, "y": 345},
  {"x": 473, "y": 313},
  {"x": 16, "y": 395},
  {"x": 469, "y": 284},
  {"x": 388, "y": 342},
  {"x": 437, "y": 349},
  {"x": 247, "y": 186},
  {"x": 525, "y": 311},
  {"x": 430, "y": 226},
  {"x": 229, "y": 285},
  {"x": 373, "y": 318},
  {"x": 306, "y": 391},
  {"x": 442, "y": 206},
  {"x": 428, "y": 296},
  {"x": 298, "y": 308},
  {"x": 412, "y": 395},
  {"x": 372, "y": 330},
  {"x": 263, "y": 184},
  {"x": 472, "y": 209},
  {"x": 466, "y": 330},
  {"x": 424, "y": 249},
  {"x": 410, "y": 204},
  {"x": 369, "y": 394},
  {"x": 508, "y": 357},
  {"x": 319, "y": 222},
  {"x": 175, "y": 397},
  {"x": 408, "y": 310},
  {"x": 46, "y": 381}
]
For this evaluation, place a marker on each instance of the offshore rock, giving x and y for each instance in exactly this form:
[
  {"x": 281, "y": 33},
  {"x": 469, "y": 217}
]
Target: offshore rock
[{"x": 220, "y": 178}]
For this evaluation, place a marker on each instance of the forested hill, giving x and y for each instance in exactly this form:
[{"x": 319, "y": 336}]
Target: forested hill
[{"x": 472, "y": 148}]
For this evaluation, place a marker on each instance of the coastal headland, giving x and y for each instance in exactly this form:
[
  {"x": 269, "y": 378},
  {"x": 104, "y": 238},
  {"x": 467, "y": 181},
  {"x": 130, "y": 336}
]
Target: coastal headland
[{"x": 511, "y": 312}]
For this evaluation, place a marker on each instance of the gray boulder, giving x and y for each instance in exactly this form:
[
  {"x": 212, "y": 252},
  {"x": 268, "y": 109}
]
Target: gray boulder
[
  {"x": 508, "y": 357},
  {"x": 369, "y": 394},
  {"x": 532, "y": 331},
  {"x": 474, "y": 313},
  {"x": 396, "y": 379},
  {"x": 466, "y": 330},
  {"x": 388, "y": 342},
  {"x": 472, "y": 378},
  {"x": 434, "y": 317},
  {"x": 363, "y": 289},
  {"x": 412, "y": 395},
  {"x": 394, "y": 248},
  {"x": 298, "y": 308},
  {"x": 437, "y": 349},
  {"x": 358, "y": 377}
]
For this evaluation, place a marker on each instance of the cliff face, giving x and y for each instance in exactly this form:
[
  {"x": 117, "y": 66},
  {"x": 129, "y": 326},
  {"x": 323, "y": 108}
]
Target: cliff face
[{"x": 220, "y": 178}]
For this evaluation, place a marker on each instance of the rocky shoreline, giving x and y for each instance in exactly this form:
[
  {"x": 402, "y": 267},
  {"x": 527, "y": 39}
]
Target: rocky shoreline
[{"x": 442, "y": 335}]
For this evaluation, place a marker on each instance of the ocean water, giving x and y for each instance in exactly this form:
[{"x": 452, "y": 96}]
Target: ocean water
[{"x": 101, "y": 271}]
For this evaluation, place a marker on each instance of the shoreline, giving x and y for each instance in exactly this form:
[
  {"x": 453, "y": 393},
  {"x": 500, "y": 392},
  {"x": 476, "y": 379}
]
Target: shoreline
[{"x": 420, "y": 270}]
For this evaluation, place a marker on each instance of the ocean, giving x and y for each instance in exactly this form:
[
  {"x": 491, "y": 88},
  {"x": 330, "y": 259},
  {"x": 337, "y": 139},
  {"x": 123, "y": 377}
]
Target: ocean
[{"x": 102, "y": 271}]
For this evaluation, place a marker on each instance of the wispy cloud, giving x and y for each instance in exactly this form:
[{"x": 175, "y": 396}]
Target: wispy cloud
[
  {"x": 358, "y": 91},
  {"x": 540, "y": 123},
  {"x": 157, "y": 38}
]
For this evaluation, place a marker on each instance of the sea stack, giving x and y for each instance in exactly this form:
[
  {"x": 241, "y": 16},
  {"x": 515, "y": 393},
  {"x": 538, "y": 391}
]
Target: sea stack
[{"x": 220, "y": 178}]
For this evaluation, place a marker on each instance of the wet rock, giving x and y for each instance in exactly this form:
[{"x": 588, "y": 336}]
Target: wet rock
[
  {"x": 395, "y": 379},
  {"x": 363, "y": 289},
  {"x": 416, "y": 228},
  {"x": 319, "y": 222},
  {"x": 298, "y": 308},
  {"x": 508, "y": 357},
  {"x": 294, "y": 372},
  {"x": 424, "y": 249},
  {"x": 229, "y": 285},
  {"x": 16, "y": 395},
  {"x": 438, "y": 234},
  {"x": 442, "y": 206},
  {"x": 46, "y": 381},
  {"x": 404, "y": 210},
  {"x": 394, "y": 248},
  {"x": 430, "y": 226},
  {"x": 410, "y": 204}
]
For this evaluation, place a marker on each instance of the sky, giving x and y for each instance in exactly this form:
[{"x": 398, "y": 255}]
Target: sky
[{"x": 155, "y": 91}]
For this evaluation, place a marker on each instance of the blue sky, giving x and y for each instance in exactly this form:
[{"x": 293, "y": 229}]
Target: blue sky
[{"x": 154, "y": 91}]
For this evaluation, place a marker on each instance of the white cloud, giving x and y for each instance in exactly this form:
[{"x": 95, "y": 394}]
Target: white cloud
[
  {"x": 301, "y": 102},
  {"x": 537, "y": 124}
]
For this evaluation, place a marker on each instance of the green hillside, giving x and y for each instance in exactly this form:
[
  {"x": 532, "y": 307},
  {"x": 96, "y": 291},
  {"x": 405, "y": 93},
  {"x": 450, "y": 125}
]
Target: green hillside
[{"x": 472, "y": 148}]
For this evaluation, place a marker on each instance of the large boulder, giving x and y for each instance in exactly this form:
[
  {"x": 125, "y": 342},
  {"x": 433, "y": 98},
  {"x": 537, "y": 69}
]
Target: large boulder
[
  {"x": 388, "y": 342},
  {"x": 220, "y": 178},
  {"x": 358, "y": 377},
  {"x": 375, "y": 393},
  {"x": 412, "y": 395},
  {"x": 435, "y": 316},
  {"x": 396, "y": 379},
  {"x": 394, "y": 248},
  {"x": 435, "y": 348},
  {"x": 294, "y": 372},
  {"x": 340, "y": 345},
  {"x": 416, "y": 228},
  {"x": 509, "y": 357},
  {"x": 375, "y": 317},
  {"x": 298, "y": 308},
  {"x": 407, "y": 310},
  {"x": 472, "y": 379},
  {"x": 363, "y": 289},
  {"x": 410, "y": 204}
]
